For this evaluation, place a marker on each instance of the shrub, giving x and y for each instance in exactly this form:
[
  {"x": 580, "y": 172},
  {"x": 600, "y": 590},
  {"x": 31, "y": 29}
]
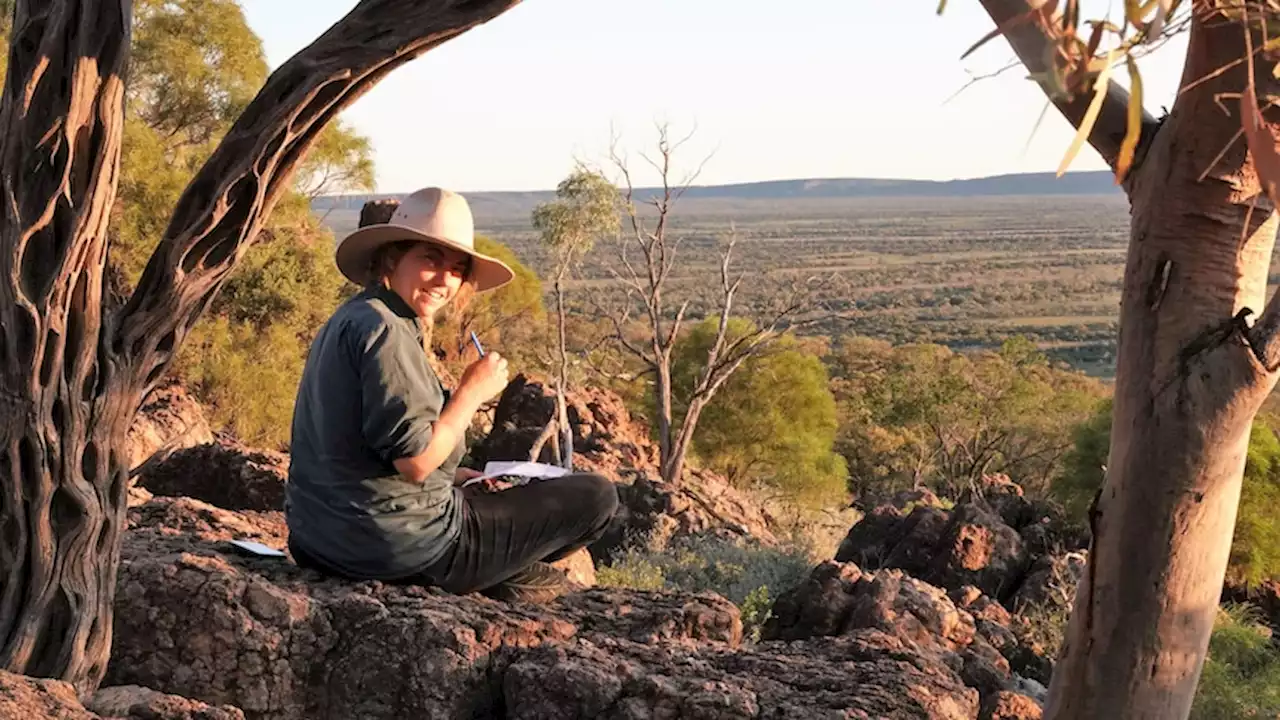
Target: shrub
[
  {"x": 747, "y": 573},
  {"x": 773, "y": 422},
  {"x": 1241, "y": 676},
  {"x": 1255, "y": 548}
]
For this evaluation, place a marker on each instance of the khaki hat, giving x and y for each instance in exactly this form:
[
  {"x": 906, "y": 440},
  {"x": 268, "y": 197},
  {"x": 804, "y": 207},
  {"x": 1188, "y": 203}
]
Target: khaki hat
[{"x": 432, "y": 215}]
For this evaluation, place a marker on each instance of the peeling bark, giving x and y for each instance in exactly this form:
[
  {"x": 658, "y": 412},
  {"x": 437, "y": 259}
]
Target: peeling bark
[{"x": 71, "y": 375}]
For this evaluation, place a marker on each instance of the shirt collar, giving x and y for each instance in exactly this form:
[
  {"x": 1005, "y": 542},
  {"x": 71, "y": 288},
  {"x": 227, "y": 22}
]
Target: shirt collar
[{"x": 394, "y": 302}]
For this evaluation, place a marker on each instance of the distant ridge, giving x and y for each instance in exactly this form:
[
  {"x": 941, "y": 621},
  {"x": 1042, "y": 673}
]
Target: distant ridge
[{"x": 1077, "y": 183}]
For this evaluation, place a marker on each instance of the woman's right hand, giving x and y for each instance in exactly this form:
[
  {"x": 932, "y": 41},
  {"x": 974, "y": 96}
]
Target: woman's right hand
[{"x": 485, "y": 378}]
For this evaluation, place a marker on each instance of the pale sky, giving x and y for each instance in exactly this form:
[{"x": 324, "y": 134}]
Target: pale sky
[{"x": 806, "y": 89}]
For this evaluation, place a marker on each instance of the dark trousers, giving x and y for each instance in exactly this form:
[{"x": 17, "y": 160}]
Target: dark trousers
[{"x": 505, "y": 532}]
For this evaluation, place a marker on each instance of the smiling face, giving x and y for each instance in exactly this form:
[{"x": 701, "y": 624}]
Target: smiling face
[{"x": 428, "y": 277}]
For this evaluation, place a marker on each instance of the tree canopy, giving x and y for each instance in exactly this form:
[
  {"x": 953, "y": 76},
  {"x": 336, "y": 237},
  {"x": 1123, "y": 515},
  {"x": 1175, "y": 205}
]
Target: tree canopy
[{"x": 923, "y": 415}]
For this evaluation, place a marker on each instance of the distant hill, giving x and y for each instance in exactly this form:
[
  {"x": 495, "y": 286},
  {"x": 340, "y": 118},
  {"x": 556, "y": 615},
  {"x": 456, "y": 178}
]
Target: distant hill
[{"x": 1078, "y": 183}]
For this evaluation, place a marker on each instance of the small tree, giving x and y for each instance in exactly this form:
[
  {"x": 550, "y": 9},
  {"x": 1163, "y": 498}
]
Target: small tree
[
  {"x": 648, "y": 285},
  {"x": 773, "y": 423},
  {"x": 585, "y": 209}
]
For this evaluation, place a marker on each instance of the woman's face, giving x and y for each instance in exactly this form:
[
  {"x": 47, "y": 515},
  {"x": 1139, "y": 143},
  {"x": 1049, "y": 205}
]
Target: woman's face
[{"x": 428, "y": 277}]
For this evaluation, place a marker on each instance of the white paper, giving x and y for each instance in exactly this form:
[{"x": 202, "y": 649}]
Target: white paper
[
  {"x": 526, "y": 470},
  {"x": 257, "y": 548}
]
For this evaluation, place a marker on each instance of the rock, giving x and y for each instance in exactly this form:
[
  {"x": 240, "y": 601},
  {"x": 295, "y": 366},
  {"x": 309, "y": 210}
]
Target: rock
[
  {"x": 608, "y": 441},
  {"x": 862, "y": 675},
  {"x": 579, "y": 568},
  {"x": 966, "y": 546},
  {"x": 838, "y": 599},
  {"x": 978, "y": 549},
  {"x": 1051, "y": 582},
  {"x": 280, "y": 642},
  {"x": 1007, "y": 705},
  {"x": 605, "y": 438},
  {"x": 39, "y": 699},
  {"x": 885, "y": 538},
  {"x": 225, "y": 473},
  {"x": 131, "y": 701},
  {"x": 170, "y": 419}
]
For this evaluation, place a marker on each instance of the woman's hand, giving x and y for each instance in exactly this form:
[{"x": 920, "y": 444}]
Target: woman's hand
[
  {"x": 486, "y": 378},
  {"x": 463, "y": 474}
]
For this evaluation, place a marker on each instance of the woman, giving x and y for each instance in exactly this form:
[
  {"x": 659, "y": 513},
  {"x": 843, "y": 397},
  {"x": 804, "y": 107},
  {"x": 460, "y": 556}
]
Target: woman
[{"x": 373, "y": 476}]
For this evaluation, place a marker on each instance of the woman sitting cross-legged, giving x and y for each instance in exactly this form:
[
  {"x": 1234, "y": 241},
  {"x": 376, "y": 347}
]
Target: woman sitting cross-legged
[{"x": 373, "y": 490}]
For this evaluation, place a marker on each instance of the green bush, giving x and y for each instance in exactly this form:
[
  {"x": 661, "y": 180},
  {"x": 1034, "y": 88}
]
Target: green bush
[
  {"x": 1241, "y": 677},
  {"x": 1255, "y": 548},
  {"x": 773, "y": 422},
  {"x": 913, "y": 415},
  {"x": 747, "y": 573}
]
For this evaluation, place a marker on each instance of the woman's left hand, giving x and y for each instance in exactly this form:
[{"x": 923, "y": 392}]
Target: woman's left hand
[{"x": 464, "y": 474}]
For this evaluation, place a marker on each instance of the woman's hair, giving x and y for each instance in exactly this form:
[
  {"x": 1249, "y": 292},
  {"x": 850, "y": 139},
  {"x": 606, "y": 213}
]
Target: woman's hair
[{"x": 383, "y": 263}]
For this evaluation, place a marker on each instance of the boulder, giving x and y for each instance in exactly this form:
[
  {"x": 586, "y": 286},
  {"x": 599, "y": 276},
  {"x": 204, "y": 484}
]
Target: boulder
[
  {"x": 1007, "y": 705},
  {"x": 224, "y": 473},
  {"x": 608, "y": 441},
  {"x": 170, "y": 419},
  {"x": 969, "y": 545},
  {"x": 39, "y": 699},
  {"x": 968, "y": 632},
  {"x": 1051, "y": 582},
  {"x": 863, "y": 675},
  {"x": 131, "y": 702}
]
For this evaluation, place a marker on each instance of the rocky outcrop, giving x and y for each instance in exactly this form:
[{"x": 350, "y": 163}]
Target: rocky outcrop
[
  {"x": 170, "y": 419},
  {"x": 608, "y": 441},
  {"x": 39, "y": 699},
  {"x": 26, "y": 698},
  {"x": 262, "y": 635},
  {"x": 840, "y": 599},
  {"x": 131, "y": 701},
  {"x": 969, "y": 545},
  {"x": 1014, "y": 550},
  {"x": 223, "y": 473}
]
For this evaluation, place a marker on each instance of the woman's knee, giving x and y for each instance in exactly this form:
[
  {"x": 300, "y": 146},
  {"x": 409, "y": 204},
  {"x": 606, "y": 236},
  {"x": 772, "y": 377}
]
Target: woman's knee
[{"x": 598, "y": 493}]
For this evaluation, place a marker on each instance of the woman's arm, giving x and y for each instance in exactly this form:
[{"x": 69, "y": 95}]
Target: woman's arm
[{"x": 484, "y": 379}]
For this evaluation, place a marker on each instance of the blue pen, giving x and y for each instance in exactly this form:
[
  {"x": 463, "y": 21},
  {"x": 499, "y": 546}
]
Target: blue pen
[{"x": 476, "y": 341}]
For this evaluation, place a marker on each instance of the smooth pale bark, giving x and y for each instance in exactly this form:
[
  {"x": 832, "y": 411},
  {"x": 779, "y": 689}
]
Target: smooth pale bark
[
  {"x": 1189, "y": 381},
  {"x": 72, "y": 374}
]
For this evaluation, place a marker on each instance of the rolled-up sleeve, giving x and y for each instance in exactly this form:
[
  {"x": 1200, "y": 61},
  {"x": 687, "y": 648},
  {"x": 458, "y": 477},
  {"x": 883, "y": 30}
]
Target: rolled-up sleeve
[{"x": 400, "y": 398}]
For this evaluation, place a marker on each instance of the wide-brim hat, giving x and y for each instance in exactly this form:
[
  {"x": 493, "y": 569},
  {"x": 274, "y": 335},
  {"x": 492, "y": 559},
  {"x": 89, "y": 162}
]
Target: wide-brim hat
[{"x": 432, "y": 215}]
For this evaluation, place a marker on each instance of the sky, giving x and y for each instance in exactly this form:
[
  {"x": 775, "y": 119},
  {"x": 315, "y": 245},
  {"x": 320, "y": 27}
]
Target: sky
[{"x": 768, "y": 90}]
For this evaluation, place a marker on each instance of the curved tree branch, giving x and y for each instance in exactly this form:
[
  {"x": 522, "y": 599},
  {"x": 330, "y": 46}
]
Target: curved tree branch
[
  {"x": 219, "y": 215},
  {"x": 1032, "y": 34}
]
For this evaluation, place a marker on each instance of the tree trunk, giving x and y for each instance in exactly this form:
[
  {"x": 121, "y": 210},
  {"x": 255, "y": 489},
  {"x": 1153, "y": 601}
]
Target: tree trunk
[
  {"x": 1188, "y": 384},
  {"x": 71, "y": 376},
  {"x": 63, "y": 471},
  {"x": 662, "y": 393},
  {"x": 562, "y": 410},
  {"x": 673, "y": 470}
]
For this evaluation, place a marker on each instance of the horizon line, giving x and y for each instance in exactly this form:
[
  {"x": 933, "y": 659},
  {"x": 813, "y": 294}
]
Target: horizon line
[{"x": 742, "y": 183}]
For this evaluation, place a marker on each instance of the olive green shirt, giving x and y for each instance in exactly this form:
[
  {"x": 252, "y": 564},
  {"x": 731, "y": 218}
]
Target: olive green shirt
[{"x": 367, "y": 397}]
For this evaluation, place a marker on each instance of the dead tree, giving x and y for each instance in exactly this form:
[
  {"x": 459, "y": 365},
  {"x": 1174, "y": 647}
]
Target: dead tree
[
  {"x": 647, "y": 254},
  {"x": 1198, "y": 353},
  {"x": 74, "y": 373}
]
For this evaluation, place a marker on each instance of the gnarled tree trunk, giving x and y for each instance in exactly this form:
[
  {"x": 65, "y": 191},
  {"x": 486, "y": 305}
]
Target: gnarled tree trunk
[
  {"x": 61, "y": 436},
  {"x": 1191, "y": 374},
  {"x": 72, "y": 375}
]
